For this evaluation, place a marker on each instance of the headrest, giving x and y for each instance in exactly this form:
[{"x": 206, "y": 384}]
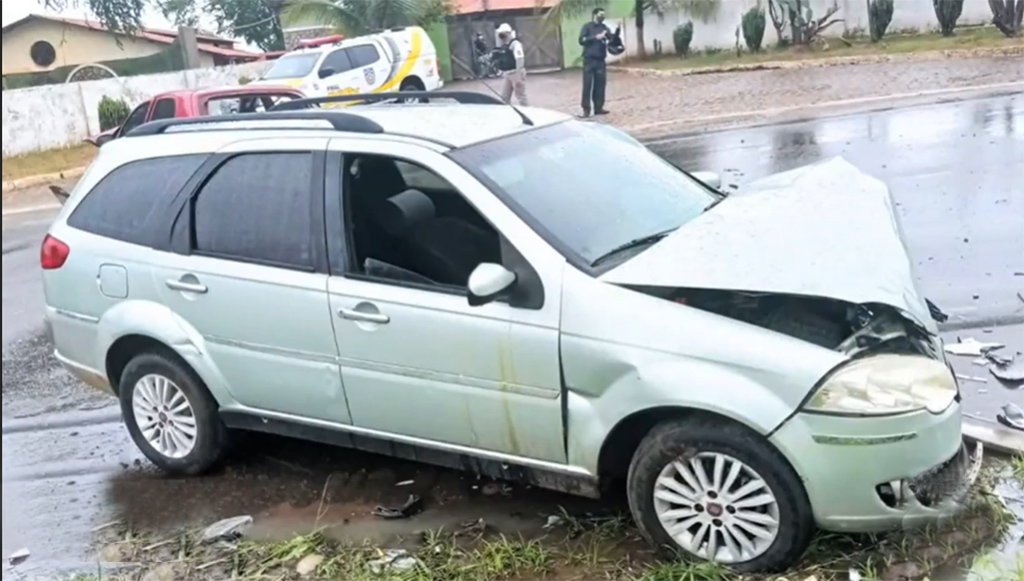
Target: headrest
[{"x": 400, "y": 213}]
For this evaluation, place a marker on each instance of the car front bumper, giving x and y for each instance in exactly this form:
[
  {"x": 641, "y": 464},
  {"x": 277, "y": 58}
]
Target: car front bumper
[{"x": 876, "y": 474}]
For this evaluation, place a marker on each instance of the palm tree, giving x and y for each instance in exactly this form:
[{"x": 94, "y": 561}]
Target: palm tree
[
  {"x": 355, "y": 17},
  {"x": 705, "y": 10}
]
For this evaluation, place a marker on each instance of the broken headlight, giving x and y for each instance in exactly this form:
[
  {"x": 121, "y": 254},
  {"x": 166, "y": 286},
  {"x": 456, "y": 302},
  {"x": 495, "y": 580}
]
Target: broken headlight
[{"x": 885, "y": 385}]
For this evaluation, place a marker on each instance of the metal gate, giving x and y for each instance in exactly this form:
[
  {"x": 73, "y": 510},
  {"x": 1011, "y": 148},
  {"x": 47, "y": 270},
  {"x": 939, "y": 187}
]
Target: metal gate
[{"x": 542, "y": 41}]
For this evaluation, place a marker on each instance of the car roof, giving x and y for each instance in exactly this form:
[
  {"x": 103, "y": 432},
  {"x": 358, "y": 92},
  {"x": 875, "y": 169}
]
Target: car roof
[
  {"x": 227, "y": 90},
  {"x": 453, "y": 124}
]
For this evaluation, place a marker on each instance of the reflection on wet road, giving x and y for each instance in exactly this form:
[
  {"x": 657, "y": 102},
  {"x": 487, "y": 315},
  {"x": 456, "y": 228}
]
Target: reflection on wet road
[
  {"x": 954, "y": 171},
  {"x": 68, "y": 465}
]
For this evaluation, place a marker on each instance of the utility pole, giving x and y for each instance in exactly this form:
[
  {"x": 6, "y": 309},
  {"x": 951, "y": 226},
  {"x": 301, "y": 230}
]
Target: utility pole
[{"x": 189, "y": 45}]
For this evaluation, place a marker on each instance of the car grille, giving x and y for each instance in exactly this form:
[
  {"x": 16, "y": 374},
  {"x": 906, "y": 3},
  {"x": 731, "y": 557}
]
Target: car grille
[{"x": 943, "y": 481}]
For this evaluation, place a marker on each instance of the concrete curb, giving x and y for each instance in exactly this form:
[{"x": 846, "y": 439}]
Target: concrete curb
[
  {"x": 33, "y": 181},
  {"x": 994, "y": 437},
  {"x": 986, "y": 52}
]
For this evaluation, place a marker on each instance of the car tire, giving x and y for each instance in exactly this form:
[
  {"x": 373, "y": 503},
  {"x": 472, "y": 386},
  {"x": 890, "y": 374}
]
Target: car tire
[
  {"x": 412, "y": 85},
  {"x": 776, "y": 533},
  {"x": 171, "y": 415}
]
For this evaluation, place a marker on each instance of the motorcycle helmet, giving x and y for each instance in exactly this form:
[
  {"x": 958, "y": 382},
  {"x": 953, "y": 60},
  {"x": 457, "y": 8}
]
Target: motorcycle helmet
[{"x": 615, "y": 44}]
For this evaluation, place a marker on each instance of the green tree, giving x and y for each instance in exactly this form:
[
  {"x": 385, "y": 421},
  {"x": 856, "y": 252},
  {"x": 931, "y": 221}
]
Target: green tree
[
  {"x": 354, "y": 17},
  {"x": 703, "y": 10}
]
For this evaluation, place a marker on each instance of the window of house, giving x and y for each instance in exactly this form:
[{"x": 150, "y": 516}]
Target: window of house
[
  {"x": 124, "y": 203},
  {"x": 257, "y": 208},
  {"x": 401, "y": 233},
  {"x": 42, "y": 53}
]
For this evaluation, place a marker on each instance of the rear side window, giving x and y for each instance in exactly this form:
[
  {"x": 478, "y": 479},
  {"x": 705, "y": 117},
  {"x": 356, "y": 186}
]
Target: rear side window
[
  {"x": 125, "y": 203},
  {"x": 257, "y": 208},
  {"x": 164, "y": 109},
  {"x": 363, "y": 55}
]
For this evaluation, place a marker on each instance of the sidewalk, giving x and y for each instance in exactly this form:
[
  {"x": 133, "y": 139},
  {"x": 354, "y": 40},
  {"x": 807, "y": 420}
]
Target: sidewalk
[{"x": 650, "y": 107}]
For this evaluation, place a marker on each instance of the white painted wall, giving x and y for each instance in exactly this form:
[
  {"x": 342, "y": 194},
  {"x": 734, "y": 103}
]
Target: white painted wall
[
  {"x": 721, "y": 33},
  {"x": 56, "y": 116}
]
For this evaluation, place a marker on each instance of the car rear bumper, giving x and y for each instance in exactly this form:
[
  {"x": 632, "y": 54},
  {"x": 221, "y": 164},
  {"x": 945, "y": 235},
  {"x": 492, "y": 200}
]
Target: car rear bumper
[{"x": 877, "y": 474}]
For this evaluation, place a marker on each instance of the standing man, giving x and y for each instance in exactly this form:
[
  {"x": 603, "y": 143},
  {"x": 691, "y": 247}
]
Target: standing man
[
  {"x": 513, "y": 66},
  {"x": 594, "y": 40}
]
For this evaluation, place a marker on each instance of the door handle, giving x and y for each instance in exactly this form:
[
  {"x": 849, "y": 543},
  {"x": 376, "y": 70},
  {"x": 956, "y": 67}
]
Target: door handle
[
  {"x": 188, "y": 287},
  {"x": 351, "y": 315}
]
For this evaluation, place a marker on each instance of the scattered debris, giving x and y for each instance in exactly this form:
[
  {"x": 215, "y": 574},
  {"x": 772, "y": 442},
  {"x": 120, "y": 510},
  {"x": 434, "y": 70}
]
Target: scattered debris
[
  {"x": 982, "y": 391},
  {"x": 855, "y": 575},
  {"x": 970, "y": 378},
  {"x": 309, "y": 565},
  {"x": 554, "y": 521},
  {"x": 971, "y": 347},
  {"x": 496, "y": 488},
  {"x": 998, "y": 359},
  {"x": 406, "y": 483},
  {"x": 472, "y": 528},
  {"x": 106, "y": 526},
  {"x": 1008, "y": 370},
  {"x": 229, "y": 529},
  {"x": 394, "y": 560},
  {"x": 1012, "y": 417},
  {"x": 17, "y": 558},
  {"x": 405, "y": 511}
]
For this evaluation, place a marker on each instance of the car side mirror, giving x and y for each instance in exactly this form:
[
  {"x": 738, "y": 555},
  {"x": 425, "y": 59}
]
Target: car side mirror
[
  {"x": 102, "y": 139},
  {"x": 709, "y": 178},
  {"x": 487, "y": 282},
  {"x": 326, "y": 72}
]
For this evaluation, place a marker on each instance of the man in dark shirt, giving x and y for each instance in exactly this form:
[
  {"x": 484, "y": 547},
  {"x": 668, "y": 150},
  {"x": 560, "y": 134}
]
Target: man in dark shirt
[{"x": 594, "y": 40}]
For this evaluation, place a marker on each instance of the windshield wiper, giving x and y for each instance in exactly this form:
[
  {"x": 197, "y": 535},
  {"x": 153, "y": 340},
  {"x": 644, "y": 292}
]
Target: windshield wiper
[{"x": 644, "y": 241}]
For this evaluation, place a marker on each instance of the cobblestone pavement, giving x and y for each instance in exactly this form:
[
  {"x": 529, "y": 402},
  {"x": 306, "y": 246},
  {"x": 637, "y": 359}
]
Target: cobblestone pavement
[{"x": 636, "y": 101}]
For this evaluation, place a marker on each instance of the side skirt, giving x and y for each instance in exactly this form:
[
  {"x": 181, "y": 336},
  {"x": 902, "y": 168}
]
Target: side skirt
[{"x": 580, "y": 485}]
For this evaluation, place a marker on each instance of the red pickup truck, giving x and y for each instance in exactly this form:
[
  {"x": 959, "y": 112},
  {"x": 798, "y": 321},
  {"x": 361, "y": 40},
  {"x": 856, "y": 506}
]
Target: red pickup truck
[{"x": 199, "y": 103}]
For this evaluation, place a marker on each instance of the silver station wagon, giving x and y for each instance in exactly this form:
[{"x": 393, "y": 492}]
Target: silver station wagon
[{"x": 522, "y": 294}]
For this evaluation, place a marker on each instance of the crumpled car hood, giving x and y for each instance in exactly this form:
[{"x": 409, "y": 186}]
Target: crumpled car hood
[{"x": 825, "y": 230}]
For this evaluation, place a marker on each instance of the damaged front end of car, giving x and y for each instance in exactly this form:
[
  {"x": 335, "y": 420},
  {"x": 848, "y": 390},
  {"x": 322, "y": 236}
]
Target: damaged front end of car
[{"x": 855, "y": 330}]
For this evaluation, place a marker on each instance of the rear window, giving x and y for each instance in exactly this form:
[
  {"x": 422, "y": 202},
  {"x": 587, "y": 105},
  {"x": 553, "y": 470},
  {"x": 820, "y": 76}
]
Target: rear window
[{"x": 123, "y": 205}]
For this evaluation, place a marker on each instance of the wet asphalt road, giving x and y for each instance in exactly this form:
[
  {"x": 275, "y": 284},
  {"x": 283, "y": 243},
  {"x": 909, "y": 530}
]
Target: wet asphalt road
[{"x": 68, "y": 465}]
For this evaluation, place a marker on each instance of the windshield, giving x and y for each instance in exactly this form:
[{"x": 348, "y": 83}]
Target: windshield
[
  {"x": 593, "y": 188},
  {"x": 292, "y": 67}
]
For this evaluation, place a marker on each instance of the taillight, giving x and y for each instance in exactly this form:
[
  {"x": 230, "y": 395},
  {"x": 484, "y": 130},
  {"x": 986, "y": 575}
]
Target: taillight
[{"x": 53, "y": 254}]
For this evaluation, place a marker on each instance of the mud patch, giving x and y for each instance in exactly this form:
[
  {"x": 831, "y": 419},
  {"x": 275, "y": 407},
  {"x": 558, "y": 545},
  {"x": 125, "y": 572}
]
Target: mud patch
[{"x": 34, "y": 383}]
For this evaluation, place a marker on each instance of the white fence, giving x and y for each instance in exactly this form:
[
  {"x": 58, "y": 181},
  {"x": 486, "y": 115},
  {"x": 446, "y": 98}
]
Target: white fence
[
  {"x": 54, "y": 116},
  {"x": 720, "y": 31}
]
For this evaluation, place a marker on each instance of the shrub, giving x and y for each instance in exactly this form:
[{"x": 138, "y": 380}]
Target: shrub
[
  {"x": 753, "y": 28},
  {"x": 244, "y": 80},
  {"x": 948, "y": 12},
  {"x": 1007, "y": 16},
  {"x": 879, "y": 16},
  {"x": 112, "y": 112},
  {"x": 681, "y": 38}
]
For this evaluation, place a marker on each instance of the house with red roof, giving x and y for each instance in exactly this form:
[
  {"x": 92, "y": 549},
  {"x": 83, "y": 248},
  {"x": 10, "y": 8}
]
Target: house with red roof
[{"x": 41, "y": 44}]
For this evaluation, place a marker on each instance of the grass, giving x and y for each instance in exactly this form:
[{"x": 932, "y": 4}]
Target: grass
[
  {"x": 47, "y": 162},
  {"x": 1017, "y": 468},
  {"x": 965, "y": 38},
  {"x": 578, "y": 549}
]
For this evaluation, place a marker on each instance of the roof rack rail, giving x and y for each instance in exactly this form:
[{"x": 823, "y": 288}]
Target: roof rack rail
[
  {"x": 461, "y": 97},
  {"x": 338, "y": 120}
]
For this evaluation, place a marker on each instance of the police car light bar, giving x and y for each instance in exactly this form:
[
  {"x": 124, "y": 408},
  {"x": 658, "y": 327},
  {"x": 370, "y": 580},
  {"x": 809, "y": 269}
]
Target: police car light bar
[{"x": 315, "y": 42}]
